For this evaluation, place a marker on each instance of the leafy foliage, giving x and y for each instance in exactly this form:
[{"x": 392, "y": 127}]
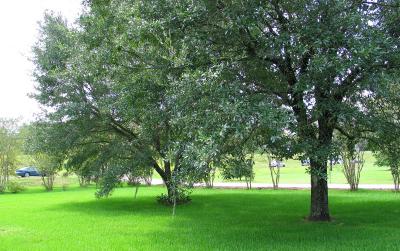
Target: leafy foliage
[
  {"x": 41, "y": 144},
  {"x": 238, "y": 168},
  {"x": 10, "y": 147},
  {"x": 158, "y": 81},
  {"x": 15, "y": 187},
  {"x": 385, "y": 140}
]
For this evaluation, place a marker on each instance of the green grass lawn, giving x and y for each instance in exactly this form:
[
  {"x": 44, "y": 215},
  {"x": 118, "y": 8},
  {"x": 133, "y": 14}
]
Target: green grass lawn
[
  {"x": 215, "y": 220},
  {"x": 294, "y": 173}
]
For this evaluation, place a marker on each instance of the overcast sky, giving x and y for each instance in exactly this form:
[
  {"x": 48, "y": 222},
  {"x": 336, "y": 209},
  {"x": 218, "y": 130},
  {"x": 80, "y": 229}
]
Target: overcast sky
[{"x": 18, "y": 32}]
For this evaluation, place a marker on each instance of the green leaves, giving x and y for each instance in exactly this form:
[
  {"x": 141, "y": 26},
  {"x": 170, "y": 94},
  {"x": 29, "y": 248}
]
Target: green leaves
[
  {"x": 10, "y": 148},
  {"x": 152, "y": 83}
]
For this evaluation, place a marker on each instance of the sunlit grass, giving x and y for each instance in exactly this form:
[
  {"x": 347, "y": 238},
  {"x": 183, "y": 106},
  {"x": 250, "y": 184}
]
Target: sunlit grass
[
  {"x": 293, "y": 173},
  {"x": 215, "y": 220}
]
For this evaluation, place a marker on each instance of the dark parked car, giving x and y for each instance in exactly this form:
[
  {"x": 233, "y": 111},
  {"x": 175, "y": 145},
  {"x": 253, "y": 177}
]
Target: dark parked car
[
  {"x": 305, "y": 162},
  {"x": 337, "y": 161},
  {"x": 27, "y": 171}
]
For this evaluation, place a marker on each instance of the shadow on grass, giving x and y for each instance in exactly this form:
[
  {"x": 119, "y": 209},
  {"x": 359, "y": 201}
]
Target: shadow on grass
[
  {"x": 255, "y": 220},
  {"x": 277, "y": 205},
  {"x": 147, "y": 203}
]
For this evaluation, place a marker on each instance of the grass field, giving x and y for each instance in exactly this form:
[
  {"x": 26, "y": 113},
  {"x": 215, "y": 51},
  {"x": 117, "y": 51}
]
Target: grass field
[
  {"x": 294, "y": 173},
  {"x": 215, "y": 220}
]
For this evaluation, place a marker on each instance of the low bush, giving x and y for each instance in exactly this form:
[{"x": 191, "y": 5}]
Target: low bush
[
  {"x": 15, "y": 187},
  {"x": 2, "y": 188},
  {"x": 169, "y": 201}
]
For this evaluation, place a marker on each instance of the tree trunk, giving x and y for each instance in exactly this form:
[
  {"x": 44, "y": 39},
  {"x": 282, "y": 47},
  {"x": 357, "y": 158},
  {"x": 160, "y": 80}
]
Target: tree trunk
[
  {"x": 170, "y": 188},
  {"x": 319, "y": 172},
  {"x": 319, "y": 210},
  {"x": 319, "y": 193},
  {"x": 166, "y": 176},
  {"x": 396, "y": 177}
]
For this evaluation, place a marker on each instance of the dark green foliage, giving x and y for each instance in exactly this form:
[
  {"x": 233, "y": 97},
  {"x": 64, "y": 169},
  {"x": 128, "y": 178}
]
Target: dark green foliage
[
  {"x": 182, "y": 197},
  {"x": 237, "y": 168},
  {"x": 318, "y": 62},
  {"x": 113, "y": 115},
  {"x": 176, "y": 84}
]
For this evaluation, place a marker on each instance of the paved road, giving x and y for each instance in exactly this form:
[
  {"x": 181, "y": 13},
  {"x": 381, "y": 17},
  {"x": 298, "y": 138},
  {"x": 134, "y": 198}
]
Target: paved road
[{"x": 287, "y": 186}]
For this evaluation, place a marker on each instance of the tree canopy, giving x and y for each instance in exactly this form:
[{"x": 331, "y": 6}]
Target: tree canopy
[{"x": 172, "y": 84}]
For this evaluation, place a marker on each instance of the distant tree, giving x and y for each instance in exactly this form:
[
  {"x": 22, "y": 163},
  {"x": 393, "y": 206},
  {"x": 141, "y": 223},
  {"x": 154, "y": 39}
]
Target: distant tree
[
  {"x": 385, "y": 141},
  {"x": 10, "y": 148},
  {"x": 209, "y": 174},
  {"x": 238, "y": 167},
  {"x": 390, "y": 158},
  {"x": 353, "y": 163},
  {"x": 140, "y": 175},
  {"x": 44, "y": 150},
  {"x": 277, "y": 149},
  {"x": 48, "y": 167},
  {"x": 275, "y": 171}
]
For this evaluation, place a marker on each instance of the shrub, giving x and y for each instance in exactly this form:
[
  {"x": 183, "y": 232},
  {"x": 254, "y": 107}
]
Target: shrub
[
  {"x": 178, "y": 193},
  {"x": 181, "y": 198},
  {"x": 15, "y": 187},
  {"x": 2, "y": 188}
]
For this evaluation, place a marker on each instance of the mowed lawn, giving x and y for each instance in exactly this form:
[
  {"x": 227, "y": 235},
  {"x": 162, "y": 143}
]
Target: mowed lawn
[
  {"x": 294, "y": 173},
  {"x": 216, "y": 219}
]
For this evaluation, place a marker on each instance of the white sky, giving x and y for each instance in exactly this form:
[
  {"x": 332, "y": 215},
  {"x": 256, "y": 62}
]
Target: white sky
[{"x": 18, "y": 32}]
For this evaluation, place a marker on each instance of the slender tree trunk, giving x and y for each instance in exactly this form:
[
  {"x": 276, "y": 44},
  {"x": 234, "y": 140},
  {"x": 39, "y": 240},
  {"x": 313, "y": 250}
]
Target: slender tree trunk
[
  {"x": 136, "y": 189},
  {"x": 272, "y": 172},
  {"x": 396, "y": 177},
  {"x": 353, "y": 162}
]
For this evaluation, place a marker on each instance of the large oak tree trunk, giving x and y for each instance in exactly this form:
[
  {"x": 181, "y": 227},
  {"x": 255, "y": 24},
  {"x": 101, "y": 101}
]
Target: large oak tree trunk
[
  {"x": 319, "y": 171},
  {"x": 319, "y": 193}
]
